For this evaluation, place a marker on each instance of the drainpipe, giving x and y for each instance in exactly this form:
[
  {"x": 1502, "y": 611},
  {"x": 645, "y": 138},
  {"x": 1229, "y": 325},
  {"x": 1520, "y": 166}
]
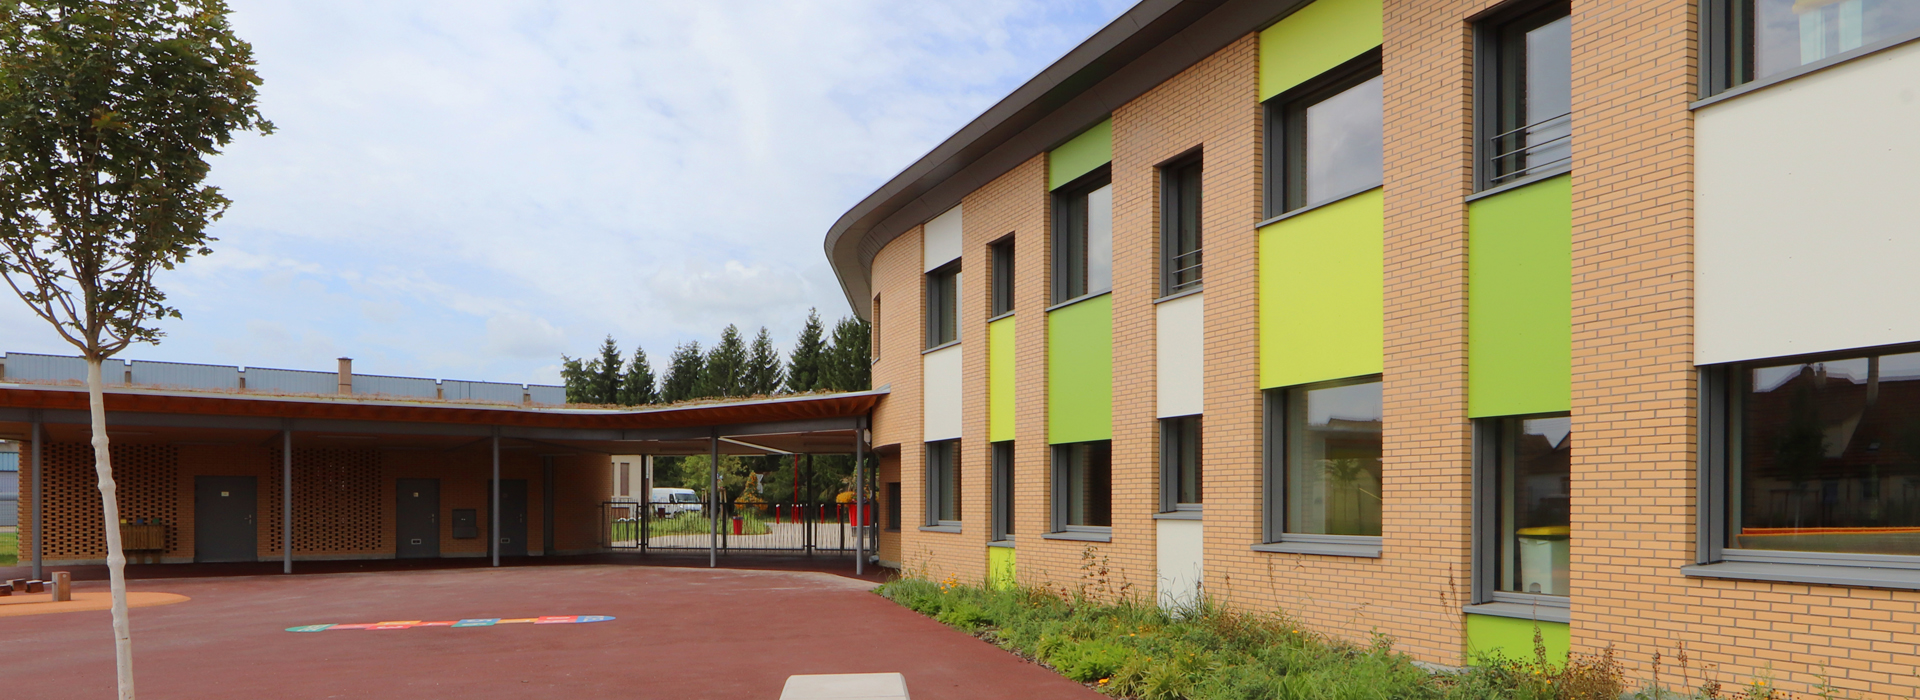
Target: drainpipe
[{"x": 346, "y": 375}]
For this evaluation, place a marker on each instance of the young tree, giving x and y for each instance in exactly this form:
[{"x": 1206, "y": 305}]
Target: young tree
[
  {"x": 606, "y": 373},
  {"x": 578, "y": 380},
  {"x": 764, "y": 374},
  {"x": 727, "y": 365},
  {"x": 686, "y": 372},
  {"x": 110, "y": 112},
  {"x": 849, "y": 364},
  {"x": 809, "y": 355},
  {"x": 636, "y": 388}
]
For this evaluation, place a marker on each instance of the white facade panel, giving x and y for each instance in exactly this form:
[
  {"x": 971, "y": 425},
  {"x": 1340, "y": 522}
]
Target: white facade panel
[
  {"x": 1181, "y": 379},
  {"x": 1179, "y": 545},
  {"x": 941, "y": 374},
  {"x": 1806, "y": 228},
  {"x": 942, "y": 240}
]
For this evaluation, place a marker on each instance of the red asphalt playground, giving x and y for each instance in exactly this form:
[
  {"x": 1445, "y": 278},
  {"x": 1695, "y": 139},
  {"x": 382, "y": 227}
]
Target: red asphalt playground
[{"x": 680, "y": 632}]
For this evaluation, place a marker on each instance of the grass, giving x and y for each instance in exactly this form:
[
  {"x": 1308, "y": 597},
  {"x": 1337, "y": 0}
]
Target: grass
[
  {"x": 9, "y": 548},
  {"x": 1132, "y": 649},
  {"x": 689, "y": 524}
]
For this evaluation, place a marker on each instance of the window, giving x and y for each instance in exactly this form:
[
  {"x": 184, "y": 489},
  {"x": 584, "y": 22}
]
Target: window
[
  {"x": 1815, "y": 460},
  {"x": 1083, "y": 487},
  {"x": 1179, "y": 464},
  {"x": 943, "y": 483},
  {"x": 1083, "y": 237},
  {"x": 1524, "y": 465},
  {"x": 893, "y": 506},
  {"x": 875, "y": 345},
  {"x": 1526, "y": 107},
  {"x": 1002, "y": 279},
  {"x": 1329, "y": 136},
  {"x": 943, "y": 305},
  {"x": 1180, "y": 227},
  {"x": 626, "y": 479},
  {"x": 1324, "y": 466},
  {"x": 1003, "y": 490},
  {"x": 1748, "y": 40}
]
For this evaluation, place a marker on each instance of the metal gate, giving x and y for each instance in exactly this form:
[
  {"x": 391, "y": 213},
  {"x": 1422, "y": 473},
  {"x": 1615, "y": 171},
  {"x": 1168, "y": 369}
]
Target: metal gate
[{"x": 807, "y": 520}]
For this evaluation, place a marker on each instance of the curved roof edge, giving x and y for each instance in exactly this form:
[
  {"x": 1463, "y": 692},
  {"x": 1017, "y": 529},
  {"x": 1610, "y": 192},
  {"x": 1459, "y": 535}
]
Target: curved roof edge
[{"x": 1140, "y": 49}]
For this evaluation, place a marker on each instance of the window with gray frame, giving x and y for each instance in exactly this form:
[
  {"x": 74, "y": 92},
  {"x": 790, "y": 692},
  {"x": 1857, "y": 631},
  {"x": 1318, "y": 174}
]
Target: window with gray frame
[
  {"x": 943, "y": 305},
  {"x": 893, "y": 506},
  {"x": 1083, "y": 487},
  {"x": 1180, "y": 464},
  {"x": 1180, "y": 226},
  {"x": 1003, "y": 490},
  {"x": 1002, "y": 278},
  {"x": 1083, "y": 237},
  {"x": 1525, "y": 109},
  {"x": 943, "y": 483},
  {"x": 1323, "y": 455},
  {"x": 1522, "y": 509},
  {"x": 1814, "y": 463},
  {"x": 1328, "y": 136},
  {"x": 1744, "y": 41}
]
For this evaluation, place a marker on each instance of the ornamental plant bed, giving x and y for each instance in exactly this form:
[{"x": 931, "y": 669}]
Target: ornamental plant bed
[{"x": 1128, "y": 648}]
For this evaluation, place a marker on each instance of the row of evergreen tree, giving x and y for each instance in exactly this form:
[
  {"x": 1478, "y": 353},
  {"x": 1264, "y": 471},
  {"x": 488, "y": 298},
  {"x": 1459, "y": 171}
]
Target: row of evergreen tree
[{"x": 730, "y": 368}]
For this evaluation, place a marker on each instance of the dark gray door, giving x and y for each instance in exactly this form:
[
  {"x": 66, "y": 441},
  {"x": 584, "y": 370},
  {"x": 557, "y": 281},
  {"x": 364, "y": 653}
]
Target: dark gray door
[
  {"x": 513, "y": 517},
  {"x": 224, "y": 508},
  {"x": 417, "y": 518}
]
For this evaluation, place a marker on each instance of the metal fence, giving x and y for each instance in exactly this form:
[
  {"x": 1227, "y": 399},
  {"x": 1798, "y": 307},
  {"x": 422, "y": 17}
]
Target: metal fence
[
  {"x": 752, "y": 526},
  {"x": 186, "y": 375}
]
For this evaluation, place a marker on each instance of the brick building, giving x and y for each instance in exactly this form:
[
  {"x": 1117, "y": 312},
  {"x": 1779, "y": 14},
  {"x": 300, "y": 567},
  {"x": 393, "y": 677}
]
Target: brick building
[{"x": 1451, "y": 320}]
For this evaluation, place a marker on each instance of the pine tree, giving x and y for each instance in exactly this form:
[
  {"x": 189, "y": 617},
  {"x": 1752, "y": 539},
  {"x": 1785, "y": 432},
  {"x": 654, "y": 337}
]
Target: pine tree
[
  {"x": 809, "y": 355},
  {"x": 726, "y": 373},
  {"x": 686, "y": 373},
  {"x": 578, "y": 380},
  {"x": 849, "y": 365},
  {"x": 764, "y": 373},
  {"x": 636, "y": 388},
  {"x": 606, "y": 370}
]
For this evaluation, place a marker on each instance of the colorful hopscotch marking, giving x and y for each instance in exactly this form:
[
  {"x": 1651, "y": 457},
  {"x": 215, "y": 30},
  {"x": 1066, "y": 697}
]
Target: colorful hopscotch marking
[{"x": 474, "y": 622}]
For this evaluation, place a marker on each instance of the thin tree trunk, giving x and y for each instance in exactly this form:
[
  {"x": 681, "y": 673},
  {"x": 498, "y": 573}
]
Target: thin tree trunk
[{"x": 116, "y": 558}]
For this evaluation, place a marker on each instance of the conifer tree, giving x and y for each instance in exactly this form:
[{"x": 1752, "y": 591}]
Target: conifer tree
[
  {"x": 809, "y": 354},
  {"x": 764, "y": 373},
  {"x": 578, "y": 380},
  {"x": 726, "y": 373},
  {"x": 686, "y": 373},
  {"x": 636, "y": 388},
  {"x": 849, "y": 365},
  {"x": 606, "y": 373}
]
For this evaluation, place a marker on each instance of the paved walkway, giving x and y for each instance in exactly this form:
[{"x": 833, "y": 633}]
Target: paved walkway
[{"x": 679, "y": 633}]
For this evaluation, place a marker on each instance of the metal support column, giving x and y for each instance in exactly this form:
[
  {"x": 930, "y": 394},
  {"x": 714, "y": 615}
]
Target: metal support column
[
  {"x": 493, "y": 536},
  {"x": 286, "y": 498},
  {"x": 859, "y": 497},
  {"x": 713, "y": 499},
  {"x": 39, "y": 503}
]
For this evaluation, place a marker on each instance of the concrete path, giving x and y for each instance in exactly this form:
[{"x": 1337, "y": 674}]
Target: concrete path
[{"x": 679, "y": 633}]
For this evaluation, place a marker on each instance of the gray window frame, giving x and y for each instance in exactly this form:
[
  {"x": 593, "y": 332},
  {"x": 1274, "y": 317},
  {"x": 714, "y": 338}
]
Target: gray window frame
[
  {"x": 1069, "y": 244},
  {"x": 893, "y": 506},
  {"x": 1175, "y": 431},
  {"x": 1286, "y": 133},
  {"x": 1719, "y": 419},
  {"x": 1274, "y": 536},
  {"x": 1726, "y": 52},
  {"x": 943, "y": 305},
  {"x": 1000, "y": 278},
  {"x": 1493, "y": 70},
  {"x": 1003, "y": 483},
  {"x": 943, "y": 475},
  {"x": 1060, "y": 530},
  {"x": 1174, "y": 260},
  {"x": 1486, "y": 599}
]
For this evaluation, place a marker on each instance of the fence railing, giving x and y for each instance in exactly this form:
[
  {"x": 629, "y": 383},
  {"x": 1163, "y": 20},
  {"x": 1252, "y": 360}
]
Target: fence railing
[{"x": 21, "y": 366}]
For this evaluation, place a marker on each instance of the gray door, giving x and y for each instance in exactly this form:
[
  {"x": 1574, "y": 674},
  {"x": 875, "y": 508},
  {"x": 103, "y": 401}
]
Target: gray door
[
  {"x": 417, "y": 519},
  {"x": 513, "y": 517},
  {"x": 224, "y": 508}
]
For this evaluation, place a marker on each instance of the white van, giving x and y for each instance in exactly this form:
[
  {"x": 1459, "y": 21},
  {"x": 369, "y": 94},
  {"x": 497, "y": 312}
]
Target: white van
[{"x": 670, "y": 502}]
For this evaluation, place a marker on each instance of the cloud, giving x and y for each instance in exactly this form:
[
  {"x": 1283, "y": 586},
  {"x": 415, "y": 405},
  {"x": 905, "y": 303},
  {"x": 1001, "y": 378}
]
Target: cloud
[{"x": 471, "y": 188}]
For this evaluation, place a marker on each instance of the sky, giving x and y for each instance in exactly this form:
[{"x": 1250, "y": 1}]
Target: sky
[{"x": 470, "y": 189}]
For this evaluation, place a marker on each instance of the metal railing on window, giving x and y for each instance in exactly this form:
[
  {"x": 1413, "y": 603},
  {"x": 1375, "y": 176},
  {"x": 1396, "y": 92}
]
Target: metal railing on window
[
  {"x": 1183, "y": 271},
  {"x": 1516, "y": 153}
]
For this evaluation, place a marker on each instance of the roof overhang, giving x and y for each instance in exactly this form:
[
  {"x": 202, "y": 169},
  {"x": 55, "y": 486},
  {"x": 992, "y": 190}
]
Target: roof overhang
[{"x": 1145, "y": 46}]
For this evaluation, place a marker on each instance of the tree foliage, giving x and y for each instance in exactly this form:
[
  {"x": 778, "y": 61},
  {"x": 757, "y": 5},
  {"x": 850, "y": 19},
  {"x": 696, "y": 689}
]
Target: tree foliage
[
  {"x": 686, "y": 374},
  {"x": 849, "y": 362},
  {"x": 731, "y": 368},
  {"x": 808, "y": 357},
  {"x": 727, "y": 365},
  {"x": 637, "y": 387},
  {"x": 764, "y": 373}
]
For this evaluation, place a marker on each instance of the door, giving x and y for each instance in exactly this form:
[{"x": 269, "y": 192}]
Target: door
[
  {"x": 224, "y": 508},
  {"x": 513, "y": 517},
  {"x": 417, "y": 519}
]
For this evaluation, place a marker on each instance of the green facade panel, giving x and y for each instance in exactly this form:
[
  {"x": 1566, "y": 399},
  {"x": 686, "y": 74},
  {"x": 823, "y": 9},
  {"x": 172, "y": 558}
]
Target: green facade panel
[
  {"x": 1000, "y": 567},
  {"x": 1000, "y": 385},
  {"x": 1520, "y": 301},
  {"x": 1488, "y": 635},
  {"x": 1080, "y": 371},
  {"x": 1314, "y": 39},
  {"x": 1080, "y": 155},
  {"x": 1321, "y": 291}
]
